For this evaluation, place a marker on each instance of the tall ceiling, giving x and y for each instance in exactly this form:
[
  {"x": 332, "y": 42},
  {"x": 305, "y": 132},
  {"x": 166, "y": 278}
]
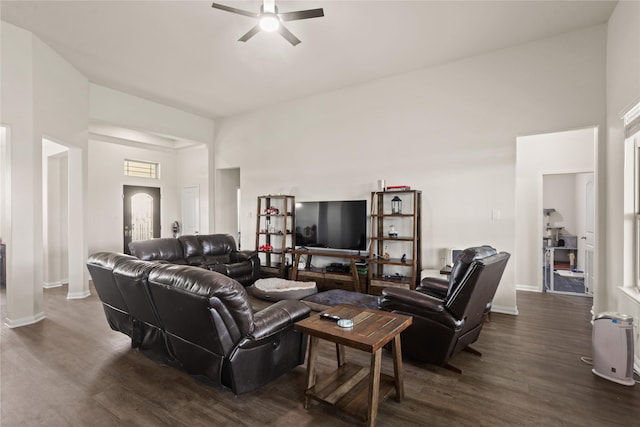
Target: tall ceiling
[{"x": 185, "y": 54}]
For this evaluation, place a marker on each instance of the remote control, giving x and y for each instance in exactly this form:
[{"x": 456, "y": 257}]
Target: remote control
[{"x": 329, "y": 317}]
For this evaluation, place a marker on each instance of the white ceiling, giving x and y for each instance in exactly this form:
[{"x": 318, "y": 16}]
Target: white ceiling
[{"x": 185, "y": 54}]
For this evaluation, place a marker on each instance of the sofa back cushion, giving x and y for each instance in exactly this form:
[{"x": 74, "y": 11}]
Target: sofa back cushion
[
  {"x": 100, "y": 266},
  {"x": 218, "y": 248},
  {"x": 462, "y": 263},
  {"x": 191, "y": 249},
  {"x": 166, "y": 249},
  {"x": 477, "y": 288},
  {"x": 201, "y": 307},
  {"x": 131, "y": 278}
]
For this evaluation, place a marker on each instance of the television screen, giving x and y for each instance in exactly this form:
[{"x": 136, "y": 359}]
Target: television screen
[{"x": 332, "y": 224}]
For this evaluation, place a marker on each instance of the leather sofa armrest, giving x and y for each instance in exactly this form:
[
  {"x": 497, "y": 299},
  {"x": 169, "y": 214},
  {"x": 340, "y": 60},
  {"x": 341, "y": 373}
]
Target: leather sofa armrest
[
  {"x": 406, "y": 297},
  {"x": 245, "y": 255},
  {"x": 434, "y": 286},
  {"x": 419, "y": 305},
  {"x": 278, "y": 317}
]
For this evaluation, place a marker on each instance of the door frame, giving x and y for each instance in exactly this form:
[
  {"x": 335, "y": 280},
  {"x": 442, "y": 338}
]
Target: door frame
[{"x": 129, "y": 191}]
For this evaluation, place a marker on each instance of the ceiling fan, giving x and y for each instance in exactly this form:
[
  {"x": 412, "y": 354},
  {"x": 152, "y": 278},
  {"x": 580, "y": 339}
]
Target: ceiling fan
[{"x": 269, "y": 19}]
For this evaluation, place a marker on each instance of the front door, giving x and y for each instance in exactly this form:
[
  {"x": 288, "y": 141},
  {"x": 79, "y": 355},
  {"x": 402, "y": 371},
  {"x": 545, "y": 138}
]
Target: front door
[{"x": 141, "y": 214}]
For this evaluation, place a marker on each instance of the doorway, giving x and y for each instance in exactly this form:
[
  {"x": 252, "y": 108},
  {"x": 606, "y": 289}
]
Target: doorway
[
  {"x": 55, "y": 218},
  {"x": 141, "y": 214},
  {"x": 572, "y": 151},
  {"x": 568, "y": 232},
  {"x": 227, "y": 218}
]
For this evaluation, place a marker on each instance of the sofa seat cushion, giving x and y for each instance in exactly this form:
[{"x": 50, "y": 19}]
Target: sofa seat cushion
[
  {"x": 216, "y": 259},
  {"x": 278, "y": 289}
]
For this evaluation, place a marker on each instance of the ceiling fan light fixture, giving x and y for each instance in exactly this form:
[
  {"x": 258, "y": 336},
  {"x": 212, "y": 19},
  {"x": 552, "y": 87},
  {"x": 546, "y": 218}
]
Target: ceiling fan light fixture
[{"x": 269, "y": 22}]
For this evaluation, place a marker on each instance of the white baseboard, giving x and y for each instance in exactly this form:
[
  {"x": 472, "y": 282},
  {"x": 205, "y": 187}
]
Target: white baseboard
[
  {"x": 505, "y": 309},
  {"x": 24, "y": 321},
  {"x": 528, "y": 288},
  {"x": 49, "y": 285},
  {"x": 78, "y": 295}
]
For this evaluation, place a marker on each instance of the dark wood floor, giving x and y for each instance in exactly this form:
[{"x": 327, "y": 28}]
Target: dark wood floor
[{"x": 72, "y": 370}]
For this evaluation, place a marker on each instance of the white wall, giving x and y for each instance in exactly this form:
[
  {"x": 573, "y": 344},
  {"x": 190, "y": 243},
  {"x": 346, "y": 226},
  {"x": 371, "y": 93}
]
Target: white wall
[
  {"x": 179, "y": 168},
  {"x": 42, "y": 95},
  {"x": 55, "y": 229},
  {"x": 131, "y": 112},
  {"x": 61, "y": 114},
  {"x": 228, "y": 182},
  {"x": 449, "y": 131},
  {"x": 106, "y": 179},
  {"x": 193, "y": 170},
  {"x": 623, "y": 91}
]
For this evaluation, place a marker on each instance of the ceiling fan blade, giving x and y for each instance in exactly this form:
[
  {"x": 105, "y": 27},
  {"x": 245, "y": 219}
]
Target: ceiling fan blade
[
  {"x": 301, "y": 14},
  {"x": 252, "y": 32},
  {"x": 234, "y": 10},
  {"x": 288, "y": 35}
]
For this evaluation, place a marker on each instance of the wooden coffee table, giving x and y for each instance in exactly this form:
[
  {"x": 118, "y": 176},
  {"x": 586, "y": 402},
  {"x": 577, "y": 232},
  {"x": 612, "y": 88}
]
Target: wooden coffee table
[{"x": 351, "y": 388}]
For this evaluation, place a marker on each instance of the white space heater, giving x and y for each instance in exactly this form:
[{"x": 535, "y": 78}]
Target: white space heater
[{"x": 613, "y": 347}]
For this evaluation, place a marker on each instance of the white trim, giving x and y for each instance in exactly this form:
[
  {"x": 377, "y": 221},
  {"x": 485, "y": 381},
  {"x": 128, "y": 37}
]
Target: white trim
[
  {"x": 505, "y": 309},
  {"x": 24, "y": 321},
  {"x": 78, "y": 295},
  {"x": 631, "y": 292},
  {"x": 56, "y": 284},
  {"x": 528, "y": 288}
]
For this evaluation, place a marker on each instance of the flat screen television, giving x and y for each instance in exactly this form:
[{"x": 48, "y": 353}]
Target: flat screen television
[{"x": 332, "y": 224}]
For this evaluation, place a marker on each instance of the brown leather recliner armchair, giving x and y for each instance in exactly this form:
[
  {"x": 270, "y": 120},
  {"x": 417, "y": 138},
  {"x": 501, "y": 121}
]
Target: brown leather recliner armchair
[{"x": 448, "y": 315}]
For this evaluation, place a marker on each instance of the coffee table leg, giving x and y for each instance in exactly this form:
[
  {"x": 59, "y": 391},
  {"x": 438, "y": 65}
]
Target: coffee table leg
[
  {"x": 397, "y": 368},
  {"x": 340, "y": 354},
  {"x": 311, "y": 367},
  {"x": 374, "y": 386}
]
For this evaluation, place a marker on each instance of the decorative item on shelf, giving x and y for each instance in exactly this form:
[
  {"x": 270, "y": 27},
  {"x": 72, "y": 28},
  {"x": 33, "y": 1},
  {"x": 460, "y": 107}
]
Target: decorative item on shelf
[
  {"x": 386, "y": 253},
  {"x": 266, "y": 248},
  {"x": 572, "y": 260},
  {"x": 272, "y": 210},
  {"x": 396, "y": 205},
  {"x": 396, "y": 276},
  {"x": 403, "y": 259},
  {"x": 392, "y": 231},
  {"x": 398, "y": 187}
]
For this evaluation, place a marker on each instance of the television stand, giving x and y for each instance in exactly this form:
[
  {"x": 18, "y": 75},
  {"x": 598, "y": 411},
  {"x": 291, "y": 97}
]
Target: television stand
[{"x": 324, "y": 275}]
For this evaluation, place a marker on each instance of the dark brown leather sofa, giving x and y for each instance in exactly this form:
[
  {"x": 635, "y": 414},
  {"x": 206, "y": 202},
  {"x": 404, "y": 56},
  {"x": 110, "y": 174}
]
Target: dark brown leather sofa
[
  {"x": 215, "y": 252},
  {"x": 448, "y": 315},
  {"x": 199, "y": 319}
]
